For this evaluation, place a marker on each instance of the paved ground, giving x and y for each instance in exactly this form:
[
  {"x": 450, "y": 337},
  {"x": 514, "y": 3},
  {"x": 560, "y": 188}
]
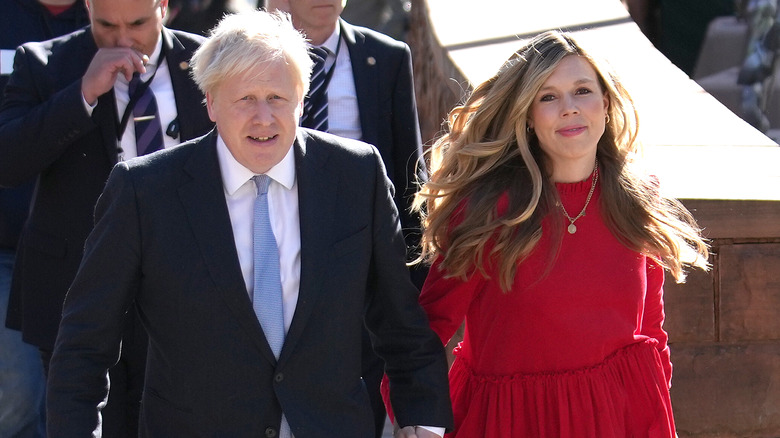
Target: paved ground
[{"x": 388, "y": 430}]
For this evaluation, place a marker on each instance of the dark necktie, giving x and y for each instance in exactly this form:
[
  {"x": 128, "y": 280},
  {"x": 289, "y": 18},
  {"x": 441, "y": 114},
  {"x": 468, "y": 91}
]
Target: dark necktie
[
  {"x": 315, "y": 105},
  {"x": 148, "y": 130}
]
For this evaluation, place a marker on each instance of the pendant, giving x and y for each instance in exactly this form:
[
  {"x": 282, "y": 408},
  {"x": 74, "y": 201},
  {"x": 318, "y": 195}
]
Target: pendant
[{"x": 572, "y": 228}]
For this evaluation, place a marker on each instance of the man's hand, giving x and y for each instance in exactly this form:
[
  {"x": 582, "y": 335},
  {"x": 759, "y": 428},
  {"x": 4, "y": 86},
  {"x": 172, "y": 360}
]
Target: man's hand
[
  {"x": 414, "y": 432},
  {"x": 104, "y": 68}
]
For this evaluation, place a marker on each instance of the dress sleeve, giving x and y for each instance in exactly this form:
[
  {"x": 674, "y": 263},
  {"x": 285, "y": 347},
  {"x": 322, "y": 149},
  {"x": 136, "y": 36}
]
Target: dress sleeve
[
  {"x": 653, "y": 317},
  {"x": 446, "y": 300}
]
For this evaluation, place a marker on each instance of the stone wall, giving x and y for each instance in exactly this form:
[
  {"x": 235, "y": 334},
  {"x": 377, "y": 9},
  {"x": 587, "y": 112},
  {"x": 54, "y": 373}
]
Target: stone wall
[{"x": 724, "y": 326}]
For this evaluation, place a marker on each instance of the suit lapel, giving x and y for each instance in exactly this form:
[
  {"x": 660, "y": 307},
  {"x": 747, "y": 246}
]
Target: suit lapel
[
  {"x": 203, "y": 198},
  {"x": 189, "y": 105},
  {"x": 105, "y": 116},
  {"x": 365, "y": 74},
  {"x": 317, "y": 209}
]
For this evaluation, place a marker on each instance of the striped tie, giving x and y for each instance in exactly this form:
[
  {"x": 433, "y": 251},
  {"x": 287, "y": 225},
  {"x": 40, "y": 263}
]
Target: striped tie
[
  {"x": 315, "y": 105},
  {"x": 148, "y": 130}
]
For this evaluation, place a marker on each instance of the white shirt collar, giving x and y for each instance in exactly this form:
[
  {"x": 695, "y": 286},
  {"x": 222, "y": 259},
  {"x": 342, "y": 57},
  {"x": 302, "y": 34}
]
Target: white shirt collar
[
  {"x": 155, "y": 56},
  {"x": 333, "y": 40},
  {"x": 235, "y": 175},
  {"x": 151, "y": 66}
]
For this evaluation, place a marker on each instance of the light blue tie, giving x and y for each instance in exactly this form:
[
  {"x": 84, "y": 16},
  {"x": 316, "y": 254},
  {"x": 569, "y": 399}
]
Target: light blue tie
[{"x": 267, "y": 297}]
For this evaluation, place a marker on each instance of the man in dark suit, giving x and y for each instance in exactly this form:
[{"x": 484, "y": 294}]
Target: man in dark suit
[
  {"x": 370, "y": 97},
  {"x": 61, "y": 121},
  {"x": 178, "y": 236},
  {"x": 21, "y": 373}
]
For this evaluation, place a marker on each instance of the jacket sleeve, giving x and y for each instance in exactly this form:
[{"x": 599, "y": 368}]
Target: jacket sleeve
[
  {"x": 653, "y": 316},
  {"x": 415, "y": 362},
  {"x": 446, "y": 302},
  {"x": 88, "y": 342},
  {"x": 38, "y": 121},
  {"x": 409, "y": 166},
  {"x": 407, "y": 144}
]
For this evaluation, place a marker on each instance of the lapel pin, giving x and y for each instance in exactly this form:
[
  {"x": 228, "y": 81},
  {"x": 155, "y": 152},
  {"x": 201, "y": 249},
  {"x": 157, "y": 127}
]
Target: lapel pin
[
  {"x": 371, "y": 60},
  {"x": 184, "y": 65}
]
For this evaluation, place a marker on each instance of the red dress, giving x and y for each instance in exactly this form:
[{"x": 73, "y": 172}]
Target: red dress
[{"x": 579, "y": 352}]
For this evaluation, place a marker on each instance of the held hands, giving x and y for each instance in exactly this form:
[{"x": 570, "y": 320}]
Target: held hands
[
  {"x": 104, "y": 68},
  {"x": 413, "y": 432}
]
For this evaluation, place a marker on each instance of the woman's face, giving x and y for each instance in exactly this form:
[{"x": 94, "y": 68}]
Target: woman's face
[{"x": 568, "y": 114}]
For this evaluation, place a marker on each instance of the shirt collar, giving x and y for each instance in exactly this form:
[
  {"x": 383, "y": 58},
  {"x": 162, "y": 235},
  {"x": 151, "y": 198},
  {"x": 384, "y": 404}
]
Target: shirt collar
[
  {"x": 235, "y": 175},
  {"x": 155, "y": 56},
  {"x": 333, "y": 40}
]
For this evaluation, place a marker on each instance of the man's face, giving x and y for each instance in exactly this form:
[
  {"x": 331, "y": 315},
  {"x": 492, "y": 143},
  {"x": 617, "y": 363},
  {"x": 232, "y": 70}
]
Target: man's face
[
  {"x": 127, "y": 23},
  {"x": 313, "y": 14},
  {"x": 257, "y": 114}
]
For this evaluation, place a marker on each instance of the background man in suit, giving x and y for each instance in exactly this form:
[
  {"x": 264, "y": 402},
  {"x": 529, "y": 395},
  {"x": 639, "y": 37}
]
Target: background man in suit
[
  {"x": 178, "y": 234},
  {"x": 61, "y": 120},
  {"x": 370, "y": 97},
  {"x": 21, "y": 375}
]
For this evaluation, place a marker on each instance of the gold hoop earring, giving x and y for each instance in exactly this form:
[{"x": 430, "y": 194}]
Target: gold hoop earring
[{"x": 607, "y": 122}]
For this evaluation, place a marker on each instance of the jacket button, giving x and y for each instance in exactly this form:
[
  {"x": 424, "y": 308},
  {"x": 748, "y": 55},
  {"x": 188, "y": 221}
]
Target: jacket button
[
  {"x": 270, "y": 432},
  {"x": 278, "y": 377}
]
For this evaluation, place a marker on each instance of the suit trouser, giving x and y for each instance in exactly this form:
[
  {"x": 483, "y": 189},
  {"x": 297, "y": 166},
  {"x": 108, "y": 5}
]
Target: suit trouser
[
  {"x": 120, "y": 415},
  {"x": 373, "y": 370}
]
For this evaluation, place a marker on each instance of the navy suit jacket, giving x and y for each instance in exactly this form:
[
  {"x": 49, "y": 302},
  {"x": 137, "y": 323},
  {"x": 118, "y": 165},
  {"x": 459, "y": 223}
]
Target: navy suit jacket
[
  {"x": 23, "y": 21},
  {"x": 382, "y": 70},
  {"x": 46, "y": 132},
  {"x": 163, "y": 240}
]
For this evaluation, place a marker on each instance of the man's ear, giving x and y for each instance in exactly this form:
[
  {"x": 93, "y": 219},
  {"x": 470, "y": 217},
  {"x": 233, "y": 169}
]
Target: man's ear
[{"x": 209, "y": 104}]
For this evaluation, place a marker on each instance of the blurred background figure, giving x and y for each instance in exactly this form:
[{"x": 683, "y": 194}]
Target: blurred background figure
[
  {"x": 729, "y": 47},
  {"x": 199, "y": 16},
  {"x": 21, "y": 373},
  {"x": 390, "y": 17},
  {"x": 677, "y": 27}
]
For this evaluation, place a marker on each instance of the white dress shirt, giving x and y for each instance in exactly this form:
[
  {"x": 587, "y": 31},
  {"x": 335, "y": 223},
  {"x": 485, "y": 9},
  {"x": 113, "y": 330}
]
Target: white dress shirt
[
  {"x": 343, "y": 112},
  {"x": 240, "y": 193}
]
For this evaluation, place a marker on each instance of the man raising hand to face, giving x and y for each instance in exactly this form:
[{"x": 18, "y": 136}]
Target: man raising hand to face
[{"x": 78, "y": 87}]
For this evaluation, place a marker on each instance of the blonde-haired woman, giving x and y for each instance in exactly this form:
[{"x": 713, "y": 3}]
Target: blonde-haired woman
[{"x": 549, "y": 244}]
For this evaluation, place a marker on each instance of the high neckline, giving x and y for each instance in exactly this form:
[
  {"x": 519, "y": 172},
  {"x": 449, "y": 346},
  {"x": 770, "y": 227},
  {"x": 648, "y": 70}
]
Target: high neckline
[{"x": 575, "y": 187}]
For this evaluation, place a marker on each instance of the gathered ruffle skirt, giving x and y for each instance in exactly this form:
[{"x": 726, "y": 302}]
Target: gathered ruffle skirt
[{"x": 624, "y": 396}]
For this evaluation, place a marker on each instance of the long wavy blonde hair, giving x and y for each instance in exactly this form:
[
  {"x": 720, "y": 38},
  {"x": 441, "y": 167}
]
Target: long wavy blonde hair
[{"x": 488, "y": 153}]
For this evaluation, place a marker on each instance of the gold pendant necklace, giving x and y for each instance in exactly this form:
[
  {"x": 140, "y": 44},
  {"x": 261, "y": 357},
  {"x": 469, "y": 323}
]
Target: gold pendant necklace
[{"x": 573, "y": 228}]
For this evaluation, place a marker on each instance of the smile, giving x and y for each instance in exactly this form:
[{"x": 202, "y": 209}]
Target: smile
[
  {"x": 571, "y": 131},
  {"x": 262, "y": 139}
]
